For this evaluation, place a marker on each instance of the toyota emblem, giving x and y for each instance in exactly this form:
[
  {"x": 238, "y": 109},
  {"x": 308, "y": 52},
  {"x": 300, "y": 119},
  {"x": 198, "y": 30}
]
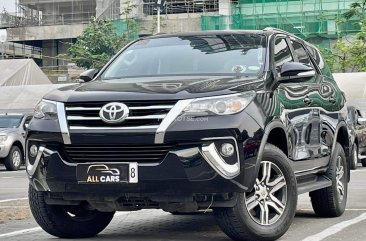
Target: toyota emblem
[{"x": 114, "y": 113}]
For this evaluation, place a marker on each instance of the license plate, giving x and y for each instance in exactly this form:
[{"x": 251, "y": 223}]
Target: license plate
[{"x": 107, "y": 173}]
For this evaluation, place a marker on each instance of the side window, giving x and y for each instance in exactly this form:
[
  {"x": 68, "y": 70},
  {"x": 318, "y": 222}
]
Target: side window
[
  {"x": 282, "y": 54},
  {"x": 27, "y": 121},
  {"x": 319, "y": 60},
  {"x": 301, "y": 53}
]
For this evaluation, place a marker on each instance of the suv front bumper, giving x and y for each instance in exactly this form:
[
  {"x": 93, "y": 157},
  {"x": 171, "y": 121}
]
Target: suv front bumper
[
  {"x": 193, "y": 166},
  {"x": 186, "y": 169}
]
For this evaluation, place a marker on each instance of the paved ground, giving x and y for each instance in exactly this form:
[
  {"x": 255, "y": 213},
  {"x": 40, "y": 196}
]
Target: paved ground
[
  {"x": 13, "y": 184},
  {"x": 157, "y": 225}
]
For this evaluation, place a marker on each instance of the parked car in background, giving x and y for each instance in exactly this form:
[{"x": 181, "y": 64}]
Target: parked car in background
[
  {"x": 12, "y": 139},
  {"x": 357, "y": 128}
]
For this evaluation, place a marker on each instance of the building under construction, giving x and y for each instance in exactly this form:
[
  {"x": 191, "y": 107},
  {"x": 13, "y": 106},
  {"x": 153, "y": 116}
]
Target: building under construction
[{"x": 43, "y": 29}]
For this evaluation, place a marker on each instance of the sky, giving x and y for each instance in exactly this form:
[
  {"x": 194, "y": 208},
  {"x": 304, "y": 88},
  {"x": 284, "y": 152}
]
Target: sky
[{"x": 9, "y": 5}]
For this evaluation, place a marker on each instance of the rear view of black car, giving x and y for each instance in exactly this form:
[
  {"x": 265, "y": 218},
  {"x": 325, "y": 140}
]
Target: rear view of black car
[{"x": 240, "y": 122}]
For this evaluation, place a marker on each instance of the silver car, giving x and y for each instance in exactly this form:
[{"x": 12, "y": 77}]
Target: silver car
[{"x": 12, "y": 132}]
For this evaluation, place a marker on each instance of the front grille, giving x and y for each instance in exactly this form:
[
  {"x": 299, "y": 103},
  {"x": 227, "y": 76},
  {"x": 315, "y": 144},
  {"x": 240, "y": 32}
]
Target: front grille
[
  {"x": 116, "y": 153},
  {"x": 143, "y": 114}
]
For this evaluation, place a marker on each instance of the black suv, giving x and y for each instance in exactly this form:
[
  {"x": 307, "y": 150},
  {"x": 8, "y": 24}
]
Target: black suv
[{"x": 240, "y": 122}]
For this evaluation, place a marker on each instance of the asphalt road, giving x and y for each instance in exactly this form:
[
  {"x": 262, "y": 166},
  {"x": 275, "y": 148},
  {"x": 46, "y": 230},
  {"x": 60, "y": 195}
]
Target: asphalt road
[{"x": 157, "y": 225}]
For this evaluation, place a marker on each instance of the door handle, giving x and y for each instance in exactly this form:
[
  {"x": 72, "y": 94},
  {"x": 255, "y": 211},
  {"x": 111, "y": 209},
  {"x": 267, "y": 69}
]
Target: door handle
[
  {"x": 332, "y": 100},
  {"x": 307, "y": 100}
]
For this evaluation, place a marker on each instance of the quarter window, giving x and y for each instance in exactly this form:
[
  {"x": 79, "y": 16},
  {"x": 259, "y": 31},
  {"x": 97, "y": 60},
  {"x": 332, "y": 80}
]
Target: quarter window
[
  {"x": 300, "y": 53},
  {"x": 282, "y": 54}
]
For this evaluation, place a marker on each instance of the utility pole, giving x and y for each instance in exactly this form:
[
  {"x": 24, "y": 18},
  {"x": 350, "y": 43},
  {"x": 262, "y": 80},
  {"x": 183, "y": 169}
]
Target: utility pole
[
  {"x": 158, "y": 20},
  {"x": 3, "y": 38}
]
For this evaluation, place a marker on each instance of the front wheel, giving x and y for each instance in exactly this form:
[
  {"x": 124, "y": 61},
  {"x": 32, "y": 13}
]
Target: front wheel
[
  {"x": 267, "y": 211},
  {"x": 67, "y": 221},
  {"x": 14, "y": 160}
]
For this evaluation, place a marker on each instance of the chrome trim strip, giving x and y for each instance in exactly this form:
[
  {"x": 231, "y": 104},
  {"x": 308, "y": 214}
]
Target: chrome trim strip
[
  {"x": 214, "y": 159},
  {"x": 83, "y": 108},
  {"x": 169, "y": 119},
  {"x": 146, "y": 117},
  {"x": 152, "y": 107},
  {"x": 82, "y": 118},
  {"x": 63, "y": 122},
  {"x": 31, "y": 169},
  {"x": 131, "y": 108},
  {"x": 113, "y": 128}
]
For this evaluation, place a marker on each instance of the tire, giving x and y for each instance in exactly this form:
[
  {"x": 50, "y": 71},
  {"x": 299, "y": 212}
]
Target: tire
[
  {"x": 244, "y": 222},
  {"x": 363, "y": 161},
  {"x": 331, "y": 201},
  {"x": 14, "y": 160},
  {"x": 354, "y": 161},
  {"x": 57, "y": 221}
]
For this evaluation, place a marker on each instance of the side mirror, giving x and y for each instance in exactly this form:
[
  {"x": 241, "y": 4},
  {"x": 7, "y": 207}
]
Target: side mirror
[
  {"x": 88, "y": 75},
  {"x": 297, "y": 70},
  {"x": 361, "y": 121}
]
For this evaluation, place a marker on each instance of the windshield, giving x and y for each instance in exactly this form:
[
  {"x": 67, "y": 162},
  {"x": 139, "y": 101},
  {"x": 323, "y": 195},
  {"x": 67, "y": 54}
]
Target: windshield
[
  {"x": 10, "y": 121},
  {"x": 232, "y": 54}
]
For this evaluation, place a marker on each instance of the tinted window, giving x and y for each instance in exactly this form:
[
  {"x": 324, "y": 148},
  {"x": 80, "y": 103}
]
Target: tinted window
[
  {"x": 10, "y": 121},
  {"x": 282, "y": 54},
  {"x": 191, "y": 55},
  {"x": 301, "y": 53},
  {"x": 319, "y": 60}
]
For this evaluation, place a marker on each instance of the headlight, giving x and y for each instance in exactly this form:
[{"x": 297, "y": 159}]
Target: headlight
[
  {"x": 46, "y": 110},
  {"x": 220, "y": 105},
  {"x": 3, "y": 138}
]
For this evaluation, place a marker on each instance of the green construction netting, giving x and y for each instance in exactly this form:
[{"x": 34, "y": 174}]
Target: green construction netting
[
  {"x": 121, "y": 27},
  {"x": 305, "y": 18}
]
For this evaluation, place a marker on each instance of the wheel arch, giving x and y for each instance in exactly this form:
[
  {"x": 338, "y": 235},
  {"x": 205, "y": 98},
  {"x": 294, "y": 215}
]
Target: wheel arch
[
  {"x": 342, "y": 137},
  {"x": 273, "y": 129}
]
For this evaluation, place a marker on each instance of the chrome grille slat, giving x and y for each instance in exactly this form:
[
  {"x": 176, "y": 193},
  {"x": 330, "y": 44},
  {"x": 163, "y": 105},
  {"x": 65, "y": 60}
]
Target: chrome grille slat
[
  {"x": 82, "y": 108},
  {"x": 143, "y": 115},
  {"x": 113, "y": 128},
  {"x": 152, "y": 107},
  {"x": 128, "y": 118}
]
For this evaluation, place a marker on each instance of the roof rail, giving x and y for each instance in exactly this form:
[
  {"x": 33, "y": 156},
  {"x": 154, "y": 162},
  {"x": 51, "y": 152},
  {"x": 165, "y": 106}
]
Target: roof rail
[{"x": 281, "y": 31}]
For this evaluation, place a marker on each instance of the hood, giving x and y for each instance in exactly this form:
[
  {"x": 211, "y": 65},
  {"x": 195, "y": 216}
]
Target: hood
[
  {"x": 7, "y": 130},
  {"x": 149, "y": 88}
]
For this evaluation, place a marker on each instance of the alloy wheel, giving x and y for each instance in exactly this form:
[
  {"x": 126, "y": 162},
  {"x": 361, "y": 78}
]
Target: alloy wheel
[
  {"x": 16, "y": 158},
  {"x": 340, "y": 178},
  {"x": 355, "y": 157},
  {"x": 267, "y": 201}
]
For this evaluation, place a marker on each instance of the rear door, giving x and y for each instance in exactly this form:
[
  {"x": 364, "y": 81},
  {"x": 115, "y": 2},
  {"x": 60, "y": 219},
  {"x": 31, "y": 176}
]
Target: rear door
[
  {"x": 331, "y": 101},
  {"x": 301, "y": 110}
]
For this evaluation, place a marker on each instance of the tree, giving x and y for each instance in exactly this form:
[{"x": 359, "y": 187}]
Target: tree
[
  {"x": 99, "y": 42},
  {"x": 350, "y": 56}
]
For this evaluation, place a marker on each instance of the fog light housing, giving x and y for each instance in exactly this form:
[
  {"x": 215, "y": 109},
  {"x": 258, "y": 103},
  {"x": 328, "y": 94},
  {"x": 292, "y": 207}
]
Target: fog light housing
[
  {"x": 227, "y": 150},
  {"x": 33, "y": 151}
]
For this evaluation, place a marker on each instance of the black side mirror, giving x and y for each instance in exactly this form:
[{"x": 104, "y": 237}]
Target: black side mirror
[
  {"x": 88, "y": 75},
  {"x": 295, "y": 69}
]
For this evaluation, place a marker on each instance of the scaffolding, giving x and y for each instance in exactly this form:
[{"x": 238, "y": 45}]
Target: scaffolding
[{"x": 309, "y": 19}]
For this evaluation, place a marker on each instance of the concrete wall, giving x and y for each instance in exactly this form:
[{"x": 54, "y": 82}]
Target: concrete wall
[
  {"x": 45, "y": 32},
  {"x": 173, "y": 23}
]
